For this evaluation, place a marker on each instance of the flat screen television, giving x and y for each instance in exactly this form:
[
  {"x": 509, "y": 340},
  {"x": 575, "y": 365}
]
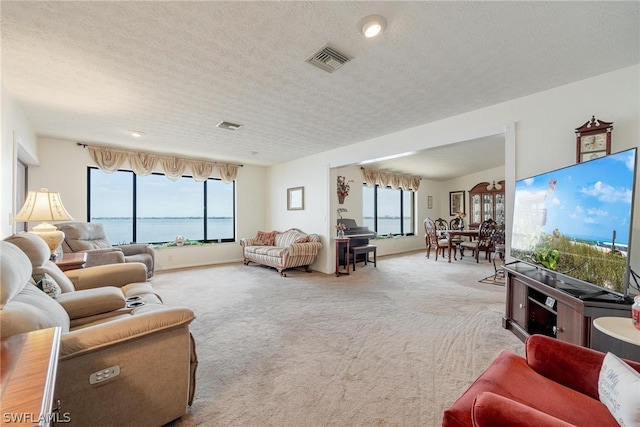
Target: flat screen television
[{"x": 576, "y": 223}]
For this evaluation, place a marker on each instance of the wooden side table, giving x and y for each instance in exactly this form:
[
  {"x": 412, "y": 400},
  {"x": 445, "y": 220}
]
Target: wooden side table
[
  {"x": 342, "y": 242},
  {"x": 28, "y": 376},
  {"x": 71, "y": 261}
]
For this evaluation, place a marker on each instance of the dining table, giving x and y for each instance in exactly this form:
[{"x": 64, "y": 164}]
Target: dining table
[{"x": 471, "y": 233}]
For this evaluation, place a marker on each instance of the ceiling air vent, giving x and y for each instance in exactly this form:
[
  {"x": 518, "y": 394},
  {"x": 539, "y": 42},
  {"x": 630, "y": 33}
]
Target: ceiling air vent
[
  {"x": 328, "y": 59},
  {"x": 228, "y": 126}
]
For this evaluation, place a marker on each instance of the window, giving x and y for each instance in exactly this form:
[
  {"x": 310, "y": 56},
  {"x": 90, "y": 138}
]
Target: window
[
  {"x": 154, "y": 209},
  {"x": 388, "y": 211}
]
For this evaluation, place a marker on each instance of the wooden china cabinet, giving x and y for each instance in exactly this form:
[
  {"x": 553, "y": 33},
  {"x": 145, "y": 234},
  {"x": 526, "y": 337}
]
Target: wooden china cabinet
[{"x": 486, "y": 201}]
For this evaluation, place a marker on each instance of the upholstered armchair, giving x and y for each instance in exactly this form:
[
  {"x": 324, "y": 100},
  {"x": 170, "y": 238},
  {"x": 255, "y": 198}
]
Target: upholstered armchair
[
  {"x": 555, "y": 384},
  {"x": 90, "y": 237},
  {"x": 150, "y": 345}
]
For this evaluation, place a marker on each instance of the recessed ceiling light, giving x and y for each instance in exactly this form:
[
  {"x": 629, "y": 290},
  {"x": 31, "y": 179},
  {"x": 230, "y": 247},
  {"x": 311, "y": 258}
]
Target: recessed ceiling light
[
  {"x": 373, "y": 25},
  {"x": 136, "y": 133}
]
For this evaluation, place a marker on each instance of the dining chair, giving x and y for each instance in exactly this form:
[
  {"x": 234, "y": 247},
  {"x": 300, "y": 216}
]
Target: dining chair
[
  {"x": 441, "y": 225},
  {"x": 499, "y": 248},
  {"x": 483, "y": 242},
  {"x": 454, "y": 224},
  {"x": 432, "y": 240}
]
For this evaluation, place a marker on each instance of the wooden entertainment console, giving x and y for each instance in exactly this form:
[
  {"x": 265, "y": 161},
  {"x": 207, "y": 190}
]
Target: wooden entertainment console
[{"x": 538, "y": 303}]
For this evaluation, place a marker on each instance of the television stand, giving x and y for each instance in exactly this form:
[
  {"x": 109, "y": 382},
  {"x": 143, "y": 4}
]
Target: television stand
[
  {"x": 592, "y": 295},
  {"x": 537, "y": 303}
]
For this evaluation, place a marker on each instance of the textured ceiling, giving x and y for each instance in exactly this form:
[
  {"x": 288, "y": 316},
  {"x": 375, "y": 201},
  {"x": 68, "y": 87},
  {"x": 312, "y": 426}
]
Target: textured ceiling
[{"x": 92, "y": 71}]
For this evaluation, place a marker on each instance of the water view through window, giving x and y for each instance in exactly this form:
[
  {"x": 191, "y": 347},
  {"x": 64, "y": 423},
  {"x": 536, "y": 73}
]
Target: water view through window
[
  {"x": 393, "y": 209},
  {"x": 160, "y": 209}
]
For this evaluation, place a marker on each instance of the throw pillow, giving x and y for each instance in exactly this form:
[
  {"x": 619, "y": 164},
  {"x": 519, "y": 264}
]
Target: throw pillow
[
  {"x": 49, "y": 286},
  {"x": 265, "y": 239},
  {"x": 304, "y": 239},
  {"x": 260, "y": 239},
  {"x": 618, "y": 386},
  {"x": 270, "y": 238}
]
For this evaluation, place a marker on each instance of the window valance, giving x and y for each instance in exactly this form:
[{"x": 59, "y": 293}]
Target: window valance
[
  {"x": 387, "y": 179},
  {"x": 111, "y": 159}
]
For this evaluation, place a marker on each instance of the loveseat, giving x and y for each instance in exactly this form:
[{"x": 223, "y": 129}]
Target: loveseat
[
  {"x": 91, "y": 238},
  {"x": 282, "y": 250},
  {"x": 150, "y": 343},
  {"x": 556, "y": 384}
]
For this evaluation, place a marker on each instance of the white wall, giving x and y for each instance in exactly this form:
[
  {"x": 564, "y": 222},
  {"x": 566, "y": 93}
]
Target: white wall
[
  {"x": 17, "y": 141},
  {"x": 543, "y": 139},
  {"x": 315, "y": 216}
]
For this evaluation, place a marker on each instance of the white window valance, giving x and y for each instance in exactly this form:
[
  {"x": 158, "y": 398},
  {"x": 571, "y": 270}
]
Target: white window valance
[
  {"x": 111, "y": 159},
  {"x": 141, "y": 163},
  {"x": 387, "y": 179}
]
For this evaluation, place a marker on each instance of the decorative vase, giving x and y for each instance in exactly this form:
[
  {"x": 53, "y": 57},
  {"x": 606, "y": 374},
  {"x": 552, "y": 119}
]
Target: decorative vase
[
  {"x": 340, "y": 234},
  {"x": 340, "y": 199},
  {"x": 179, "y": 240}
]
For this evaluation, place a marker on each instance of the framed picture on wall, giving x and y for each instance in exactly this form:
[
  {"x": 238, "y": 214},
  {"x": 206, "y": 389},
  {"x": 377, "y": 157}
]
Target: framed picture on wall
[
  {"x": 295, "y": 199},
  {"x": 456, "y": 202}
]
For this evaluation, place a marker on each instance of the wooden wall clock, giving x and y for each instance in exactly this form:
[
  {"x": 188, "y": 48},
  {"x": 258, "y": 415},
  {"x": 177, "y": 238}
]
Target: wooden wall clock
[{"x": 593, "y": 140}]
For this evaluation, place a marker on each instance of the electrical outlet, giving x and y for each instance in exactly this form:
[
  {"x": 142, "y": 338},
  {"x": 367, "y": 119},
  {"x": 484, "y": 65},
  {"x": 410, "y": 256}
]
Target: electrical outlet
[{"x": 104, "y": 374}]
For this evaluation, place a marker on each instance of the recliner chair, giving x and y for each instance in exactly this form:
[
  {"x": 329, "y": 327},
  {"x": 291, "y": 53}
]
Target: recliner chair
[
  {"x": 151, "y": 345},
  {"x": 83, "y": 290},
  {"x": 128, "y": 276},
  {"x": 91, "y": 238}
]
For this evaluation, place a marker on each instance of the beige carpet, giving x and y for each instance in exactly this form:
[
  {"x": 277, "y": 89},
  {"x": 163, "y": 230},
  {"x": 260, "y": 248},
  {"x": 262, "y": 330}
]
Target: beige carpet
[{"x": 388, "y": 346}]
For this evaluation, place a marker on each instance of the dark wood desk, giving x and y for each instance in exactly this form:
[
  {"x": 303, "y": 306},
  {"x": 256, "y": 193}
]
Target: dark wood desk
[
  {"x": 342, "y": 242},
  {"x": 460, "y": 233},
  {"x": 28, "y": 376},
  {"x": 71, "y": 261}
]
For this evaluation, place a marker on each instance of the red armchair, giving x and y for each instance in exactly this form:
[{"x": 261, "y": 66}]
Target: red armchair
[{"x": 556, "y": 384}]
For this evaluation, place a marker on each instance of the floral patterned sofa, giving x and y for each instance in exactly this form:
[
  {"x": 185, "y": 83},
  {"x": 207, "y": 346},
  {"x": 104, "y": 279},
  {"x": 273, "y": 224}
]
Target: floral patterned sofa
[{"x": 282, "y": 250}]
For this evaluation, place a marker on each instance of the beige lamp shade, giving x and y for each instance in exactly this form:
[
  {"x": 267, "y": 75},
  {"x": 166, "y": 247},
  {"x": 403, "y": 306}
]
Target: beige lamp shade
[{"x": 45, "y": 206}]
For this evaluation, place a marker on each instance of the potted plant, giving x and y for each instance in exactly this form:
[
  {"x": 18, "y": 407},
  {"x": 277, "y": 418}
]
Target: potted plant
[{"x": 343, "y": 188}]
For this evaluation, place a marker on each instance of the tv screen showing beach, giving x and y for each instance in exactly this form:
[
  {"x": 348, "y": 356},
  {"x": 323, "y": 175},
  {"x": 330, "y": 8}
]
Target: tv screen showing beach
[{"x": 577, "y": 220}]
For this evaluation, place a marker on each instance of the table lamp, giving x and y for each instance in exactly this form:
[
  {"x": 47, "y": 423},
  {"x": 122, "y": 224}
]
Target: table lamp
[{"x": 45, "y": 206}]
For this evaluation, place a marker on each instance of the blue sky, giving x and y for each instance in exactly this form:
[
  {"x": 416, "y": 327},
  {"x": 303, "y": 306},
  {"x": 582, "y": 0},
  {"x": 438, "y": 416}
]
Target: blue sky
[
  {"x": 587, "y": 200},
  {"x": 158, "y": 196}
]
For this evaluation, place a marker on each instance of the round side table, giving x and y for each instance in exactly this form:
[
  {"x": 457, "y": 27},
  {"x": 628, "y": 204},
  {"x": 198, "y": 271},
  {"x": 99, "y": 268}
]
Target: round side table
[{"x": 619, "y": 336}]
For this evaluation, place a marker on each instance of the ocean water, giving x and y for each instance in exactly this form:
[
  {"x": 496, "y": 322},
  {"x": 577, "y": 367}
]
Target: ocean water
[
  {"x": 388, "y": 225},
  {"x": 159, "y": 230}
]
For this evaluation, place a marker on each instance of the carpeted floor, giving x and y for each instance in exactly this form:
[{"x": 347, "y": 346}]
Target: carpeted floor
[{"x": 388, "y": 346}]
